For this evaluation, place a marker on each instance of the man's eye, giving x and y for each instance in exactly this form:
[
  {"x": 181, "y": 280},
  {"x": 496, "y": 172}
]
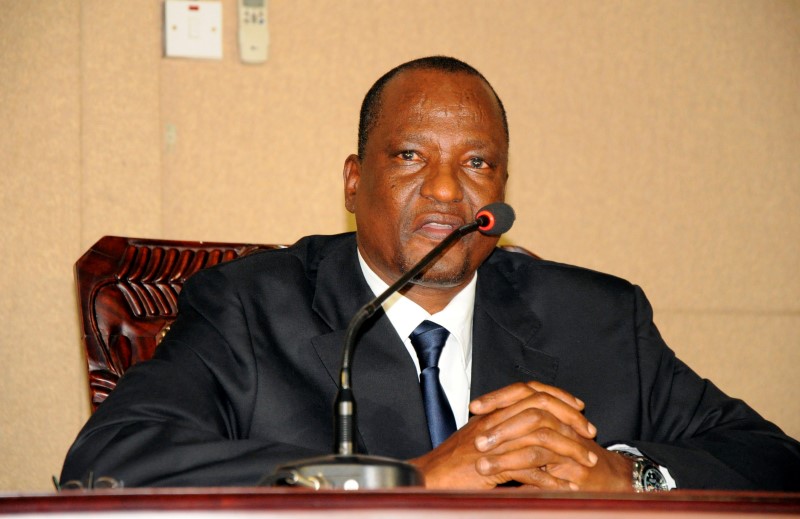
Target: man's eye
[
  {"x": 477, "y": 163},
  {"x": 407, "y": 155}
]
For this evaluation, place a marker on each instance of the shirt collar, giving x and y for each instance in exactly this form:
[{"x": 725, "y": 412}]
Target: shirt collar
[{"x": 405, "y": 314}]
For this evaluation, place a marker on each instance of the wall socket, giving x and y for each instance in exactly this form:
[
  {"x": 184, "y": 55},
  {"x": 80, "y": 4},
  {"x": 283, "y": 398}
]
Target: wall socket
[{"x": 193, "y": 29}]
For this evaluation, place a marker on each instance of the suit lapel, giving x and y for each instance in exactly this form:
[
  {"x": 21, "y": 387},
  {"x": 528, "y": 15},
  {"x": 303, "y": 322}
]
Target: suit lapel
[
  {"x": 391, "y": 419},
  {"x": 504, "y": 337}
]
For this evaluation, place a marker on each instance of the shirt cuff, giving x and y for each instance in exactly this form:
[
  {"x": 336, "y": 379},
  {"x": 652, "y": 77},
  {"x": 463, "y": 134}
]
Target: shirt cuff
[{"x": 633, "y": 450}]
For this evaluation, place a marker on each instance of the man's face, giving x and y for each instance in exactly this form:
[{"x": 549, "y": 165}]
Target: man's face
[{"x": 436, "y": 155}]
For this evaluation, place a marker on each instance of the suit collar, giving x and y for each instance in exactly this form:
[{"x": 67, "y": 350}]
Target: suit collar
[
  {"x": 505, "y": 332},
  {"x": 340, "y": 288},
  {"x": 391, "y": 418}
]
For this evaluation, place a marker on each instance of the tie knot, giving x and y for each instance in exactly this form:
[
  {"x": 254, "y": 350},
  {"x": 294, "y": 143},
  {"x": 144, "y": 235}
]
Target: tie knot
[{"x": 428, "y": 340}]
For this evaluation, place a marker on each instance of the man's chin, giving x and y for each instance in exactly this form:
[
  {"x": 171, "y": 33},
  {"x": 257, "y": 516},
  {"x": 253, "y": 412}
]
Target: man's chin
[
  {"x": 437, "y": 282},
  {"x": 450, "y": 269},
  {"x": 441, "y": 275}
]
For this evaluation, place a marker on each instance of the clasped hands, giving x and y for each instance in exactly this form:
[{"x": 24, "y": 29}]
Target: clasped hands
[{"x": 530, "y": 433}]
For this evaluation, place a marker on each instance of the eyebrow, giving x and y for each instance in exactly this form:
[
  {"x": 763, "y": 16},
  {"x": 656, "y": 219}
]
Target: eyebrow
[
  {"x": 479, "y": 144},
  {"x": 416, "y": 137},
  {"x": 423, "y": 138}
]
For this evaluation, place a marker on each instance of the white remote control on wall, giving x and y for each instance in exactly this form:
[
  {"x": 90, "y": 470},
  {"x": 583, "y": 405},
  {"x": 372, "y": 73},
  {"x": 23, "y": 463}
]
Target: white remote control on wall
[{"x": 253, "y": 32}]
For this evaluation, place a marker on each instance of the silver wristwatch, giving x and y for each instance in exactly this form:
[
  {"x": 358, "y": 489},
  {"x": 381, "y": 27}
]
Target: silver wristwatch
[{"x": 646, "y": 476}]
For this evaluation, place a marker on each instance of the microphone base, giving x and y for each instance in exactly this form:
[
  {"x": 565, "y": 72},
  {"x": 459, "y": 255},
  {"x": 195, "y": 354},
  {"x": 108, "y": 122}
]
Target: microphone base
[{"x": 355, "y": 472}]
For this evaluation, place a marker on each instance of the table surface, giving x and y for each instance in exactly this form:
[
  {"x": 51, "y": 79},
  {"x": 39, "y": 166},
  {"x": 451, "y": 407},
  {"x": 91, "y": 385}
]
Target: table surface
[{"x": 398, "y": 503}]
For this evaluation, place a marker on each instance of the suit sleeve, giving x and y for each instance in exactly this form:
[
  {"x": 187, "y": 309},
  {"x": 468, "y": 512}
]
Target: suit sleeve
[
  {"x": 183, "y": 418},
  {"x": 705, "y": 438}
]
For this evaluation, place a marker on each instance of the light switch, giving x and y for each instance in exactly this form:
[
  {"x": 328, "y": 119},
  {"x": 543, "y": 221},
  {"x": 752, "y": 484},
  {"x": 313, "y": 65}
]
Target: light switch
[{"x": 193, "y": 29}]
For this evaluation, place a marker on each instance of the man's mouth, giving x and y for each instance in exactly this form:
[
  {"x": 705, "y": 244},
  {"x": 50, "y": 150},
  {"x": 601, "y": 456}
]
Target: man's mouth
[{"x": 436, "y": 227}]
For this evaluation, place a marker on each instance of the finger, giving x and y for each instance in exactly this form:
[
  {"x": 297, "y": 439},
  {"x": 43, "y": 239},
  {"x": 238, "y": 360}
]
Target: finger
[
  {"x": 559, "y": 439},
  {"x": 566, "y": 445},
  {"x": 545, "y": 402},
  {"x": 541, "y": 480},
  {"x": 532, "y": 477},
  {"x": 512, "y": 394},
  {"x": 559, "y": 393},
  {"x": 504, "y": 427}
]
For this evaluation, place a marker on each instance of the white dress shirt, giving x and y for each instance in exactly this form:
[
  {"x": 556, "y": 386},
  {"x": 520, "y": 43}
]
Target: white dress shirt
[{"x": 455, "y": 364}]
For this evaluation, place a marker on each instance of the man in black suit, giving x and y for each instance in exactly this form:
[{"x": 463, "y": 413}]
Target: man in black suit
[{"x": 552, "y": 372}]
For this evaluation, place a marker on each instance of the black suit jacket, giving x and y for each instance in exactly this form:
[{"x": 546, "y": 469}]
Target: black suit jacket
[{"x": 246, "y": 378}]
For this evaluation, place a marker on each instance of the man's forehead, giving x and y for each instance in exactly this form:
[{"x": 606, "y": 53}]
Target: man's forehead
[
  {"x": 421, "y": 95},
  {"x": 427, "y": 84}
]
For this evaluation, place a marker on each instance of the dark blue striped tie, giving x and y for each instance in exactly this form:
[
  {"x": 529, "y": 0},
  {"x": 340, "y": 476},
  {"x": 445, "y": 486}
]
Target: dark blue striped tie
[{"x": 428, "y": 340}]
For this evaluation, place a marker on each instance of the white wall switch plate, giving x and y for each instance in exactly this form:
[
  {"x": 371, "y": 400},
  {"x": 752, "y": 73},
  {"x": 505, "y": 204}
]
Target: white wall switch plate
[{"x": 193, "y": 29}]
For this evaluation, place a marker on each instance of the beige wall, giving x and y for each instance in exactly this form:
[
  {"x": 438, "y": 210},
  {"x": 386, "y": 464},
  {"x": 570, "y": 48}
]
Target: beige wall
[{"x": 657, "y": 140}]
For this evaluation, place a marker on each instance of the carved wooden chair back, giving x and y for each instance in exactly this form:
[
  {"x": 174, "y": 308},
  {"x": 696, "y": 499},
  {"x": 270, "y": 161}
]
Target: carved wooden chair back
[
  {"x": 128, "y": 294},
  {"x": 128, "y": 291}
]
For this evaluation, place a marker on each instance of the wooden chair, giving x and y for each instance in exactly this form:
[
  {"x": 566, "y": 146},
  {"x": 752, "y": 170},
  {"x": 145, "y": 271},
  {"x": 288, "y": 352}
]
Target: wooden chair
[{"x": 128, "y": 292}]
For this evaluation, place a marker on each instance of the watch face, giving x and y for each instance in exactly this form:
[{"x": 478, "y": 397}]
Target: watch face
[{"x": 653, "y": 479}]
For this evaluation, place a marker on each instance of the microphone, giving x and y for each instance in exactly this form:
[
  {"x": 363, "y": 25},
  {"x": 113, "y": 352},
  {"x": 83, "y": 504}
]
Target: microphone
[
  {"x": 495, "y": 219},
  {"x": 346, "y": 469}
]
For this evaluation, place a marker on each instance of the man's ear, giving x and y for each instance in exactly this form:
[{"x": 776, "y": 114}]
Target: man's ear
[{"x": 351, "y": 175}]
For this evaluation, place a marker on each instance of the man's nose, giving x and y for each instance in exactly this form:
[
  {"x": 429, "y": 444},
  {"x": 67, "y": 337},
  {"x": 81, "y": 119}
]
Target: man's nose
[{"x": 442, "y": 183}]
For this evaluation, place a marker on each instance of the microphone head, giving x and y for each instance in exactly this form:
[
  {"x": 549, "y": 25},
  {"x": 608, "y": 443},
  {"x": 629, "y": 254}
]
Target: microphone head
[{"x": 495, "y": 219}]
